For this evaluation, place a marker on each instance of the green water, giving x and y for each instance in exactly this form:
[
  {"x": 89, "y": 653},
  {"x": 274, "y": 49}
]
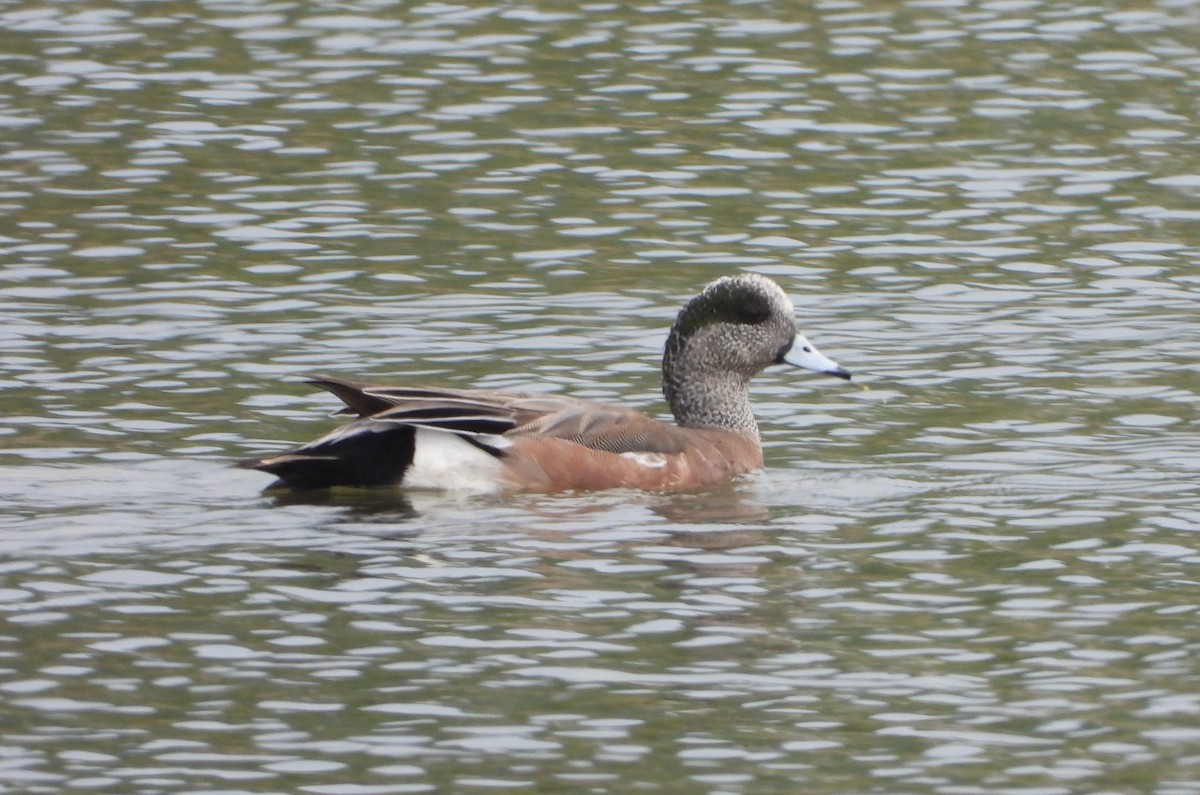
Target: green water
[{"x": 973, "y": 570}]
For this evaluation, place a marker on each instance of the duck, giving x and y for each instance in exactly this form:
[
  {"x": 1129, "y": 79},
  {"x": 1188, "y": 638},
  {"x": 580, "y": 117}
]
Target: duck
[{"x": 419, "y": 437}]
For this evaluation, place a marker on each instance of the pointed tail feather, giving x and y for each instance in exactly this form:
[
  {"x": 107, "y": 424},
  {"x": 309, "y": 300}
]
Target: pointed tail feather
[{"x": 352, "y": 393}]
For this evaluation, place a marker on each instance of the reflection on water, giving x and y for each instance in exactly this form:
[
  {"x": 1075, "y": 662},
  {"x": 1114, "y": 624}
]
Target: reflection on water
[{"x": 974, "y": 576}]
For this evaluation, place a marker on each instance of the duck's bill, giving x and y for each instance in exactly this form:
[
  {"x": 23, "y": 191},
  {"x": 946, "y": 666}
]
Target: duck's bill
[{"x": 804, "y": 354}]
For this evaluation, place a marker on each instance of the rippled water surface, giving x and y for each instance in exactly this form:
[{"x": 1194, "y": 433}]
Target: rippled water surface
[{"x": 973, "y": 570}]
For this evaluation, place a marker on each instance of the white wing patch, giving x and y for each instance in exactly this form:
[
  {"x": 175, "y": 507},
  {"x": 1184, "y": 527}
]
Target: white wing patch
[{"x": 648, "y": 460}]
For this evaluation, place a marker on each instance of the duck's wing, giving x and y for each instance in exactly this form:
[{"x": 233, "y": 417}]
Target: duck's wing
[
  {"x": 462, "y": 411},
  {"x": 597, "y": 426},
  {"x": 367, "y": 400},
  {"x": 538, "y": 434},
  {"x": 605, "y": 427}
]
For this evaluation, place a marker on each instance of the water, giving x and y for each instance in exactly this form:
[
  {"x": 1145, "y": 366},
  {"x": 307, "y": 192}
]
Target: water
[{"x": 971, "y": 571}]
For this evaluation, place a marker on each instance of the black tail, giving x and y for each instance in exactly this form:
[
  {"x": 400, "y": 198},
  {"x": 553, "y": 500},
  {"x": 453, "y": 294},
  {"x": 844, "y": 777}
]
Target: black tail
[{"x": 362, "y": 454}]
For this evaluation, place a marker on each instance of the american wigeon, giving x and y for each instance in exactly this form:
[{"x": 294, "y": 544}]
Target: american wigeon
[{"x": 482, "y": 440}]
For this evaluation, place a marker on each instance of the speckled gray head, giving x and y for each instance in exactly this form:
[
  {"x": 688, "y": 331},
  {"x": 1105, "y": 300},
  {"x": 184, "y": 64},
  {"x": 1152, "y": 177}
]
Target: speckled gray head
[
  {"x": 744, "y": 323},
  {"x": 737, "y": 326}
]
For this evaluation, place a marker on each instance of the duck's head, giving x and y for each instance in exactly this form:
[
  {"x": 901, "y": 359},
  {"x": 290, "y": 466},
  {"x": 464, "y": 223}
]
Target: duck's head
[{"x": 740, "y": 325}]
